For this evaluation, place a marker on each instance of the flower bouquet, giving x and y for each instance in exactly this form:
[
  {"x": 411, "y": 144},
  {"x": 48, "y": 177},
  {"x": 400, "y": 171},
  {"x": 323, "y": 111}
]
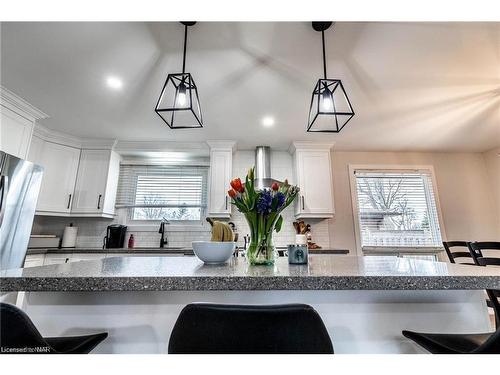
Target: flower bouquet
[{"x": 262, "y": 210}]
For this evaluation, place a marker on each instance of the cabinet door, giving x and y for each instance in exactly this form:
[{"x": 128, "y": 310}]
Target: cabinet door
[
  {"x": 91, "y": 182},
  {"x": 60, "y": 165},
  {"x": 220, "y": 176},
  {"x": 15, "y": 133},
  {"x": 314, "y": 176}
]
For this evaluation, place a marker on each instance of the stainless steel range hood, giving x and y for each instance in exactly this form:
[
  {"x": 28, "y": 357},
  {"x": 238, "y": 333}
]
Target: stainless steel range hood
[{"x": 263, "y": 178}]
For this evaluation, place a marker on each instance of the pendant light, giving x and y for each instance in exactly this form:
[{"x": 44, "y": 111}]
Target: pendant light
[
  {"x": 179, "y": 104},
  {"x": 330, "y": 107}
]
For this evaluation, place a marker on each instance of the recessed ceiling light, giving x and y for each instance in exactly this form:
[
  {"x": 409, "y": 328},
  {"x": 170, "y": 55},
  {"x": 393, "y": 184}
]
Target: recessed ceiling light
[
  {"x": 114, "y": 82},
  {"x": 268, "y": 121}
]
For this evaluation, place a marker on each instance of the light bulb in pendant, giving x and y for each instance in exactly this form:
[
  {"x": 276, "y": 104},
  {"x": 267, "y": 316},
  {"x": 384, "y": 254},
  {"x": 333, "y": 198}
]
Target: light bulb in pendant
[
  {"x": 181, "y": 95},
  {"x": 326, "y": 101}
]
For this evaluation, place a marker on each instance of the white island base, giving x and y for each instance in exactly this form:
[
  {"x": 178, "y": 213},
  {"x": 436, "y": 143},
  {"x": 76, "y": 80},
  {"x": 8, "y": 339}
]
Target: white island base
[{"x": 358, "y": 321}]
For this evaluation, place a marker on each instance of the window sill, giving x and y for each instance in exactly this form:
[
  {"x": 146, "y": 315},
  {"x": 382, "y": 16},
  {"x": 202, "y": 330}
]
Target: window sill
[
  {"x": 168, "y": 228},
  {"x": 401, "y": 250}
]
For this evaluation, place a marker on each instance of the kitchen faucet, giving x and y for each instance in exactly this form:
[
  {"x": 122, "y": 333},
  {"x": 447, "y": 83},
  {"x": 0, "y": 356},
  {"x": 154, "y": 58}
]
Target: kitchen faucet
[{"x": 163, "y": 239}]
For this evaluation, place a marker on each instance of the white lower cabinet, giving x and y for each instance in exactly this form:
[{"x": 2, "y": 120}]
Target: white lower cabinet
[
  {"x": 83, "y": 257},
  {"x": 34, "y": 260},
  {"x": 57, "y": 259}
]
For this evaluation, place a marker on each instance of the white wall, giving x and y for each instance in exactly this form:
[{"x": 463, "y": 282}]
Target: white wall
[
  {"x": 492, "y": 160},
  {"x": 463, "y": 185}
]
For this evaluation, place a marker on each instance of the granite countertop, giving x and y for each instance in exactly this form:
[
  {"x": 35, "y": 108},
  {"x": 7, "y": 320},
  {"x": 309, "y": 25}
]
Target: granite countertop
[
  {"x": 124, "y": 250},
  {"x": 324, "y": 272},
  {"x": 150, "y": 250}
]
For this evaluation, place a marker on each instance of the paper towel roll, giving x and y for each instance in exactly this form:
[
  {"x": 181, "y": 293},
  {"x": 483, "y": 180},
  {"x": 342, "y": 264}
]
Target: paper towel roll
[{"x": 69, "y": 237}]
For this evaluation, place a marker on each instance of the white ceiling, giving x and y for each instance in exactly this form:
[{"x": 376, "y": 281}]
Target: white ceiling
[{"x": 413, "y": 86}]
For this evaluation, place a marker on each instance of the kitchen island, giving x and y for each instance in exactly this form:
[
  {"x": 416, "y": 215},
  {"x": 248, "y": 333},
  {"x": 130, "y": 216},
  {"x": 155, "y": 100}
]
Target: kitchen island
[{"x": 365, "y": 302}]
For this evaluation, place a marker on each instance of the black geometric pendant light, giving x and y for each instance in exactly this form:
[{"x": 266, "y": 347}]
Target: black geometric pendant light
[
  {"x": 179, "y": 104},
  {"x": 330, "y": 107}
]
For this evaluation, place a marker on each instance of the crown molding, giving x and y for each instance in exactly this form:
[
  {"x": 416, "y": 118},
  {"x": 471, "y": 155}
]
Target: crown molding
[
  {"x": 310, "y": 146},
  {"x": 222, "y": 145},
  {"x": 65, "y": 139},
  {"x": 98, "y": 144},
  {"x": 55, "y": 136},
  {"x": 133, "y": 147},
  {"x": 18, "y": 104}
]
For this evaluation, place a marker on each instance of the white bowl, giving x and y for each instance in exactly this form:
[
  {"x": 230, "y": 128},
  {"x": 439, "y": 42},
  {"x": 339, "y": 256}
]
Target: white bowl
[{"x": 213, "y": 252}]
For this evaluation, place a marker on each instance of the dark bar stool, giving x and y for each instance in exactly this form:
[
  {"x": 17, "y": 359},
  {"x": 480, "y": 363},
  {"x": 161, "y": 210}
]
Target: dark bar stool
[
  {"x": 245, "y": 329},
  {"x": 476, "y": 250},
  {"x": 17, "y": 331},
  {"x": 464, "y": 253},
  {"x": 481, "y": 343}
]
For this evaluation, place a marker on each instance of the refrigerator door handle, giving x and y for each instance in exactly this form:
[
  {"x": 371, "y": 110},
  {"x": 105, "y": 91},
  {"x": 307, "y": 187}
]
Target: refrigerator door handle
[{"x": 4, "y": 187}]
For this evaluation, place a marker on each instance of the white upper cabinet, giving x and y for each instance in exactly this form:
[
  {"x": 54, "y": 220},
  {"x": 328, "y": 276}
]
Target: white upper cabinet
[
  {"x": 17, "y": 120},
  {"x": 221, "y": 169},
  {"x": 96, "y": 184},
  {"x": 60, "y": 165},
  {"x": 15, "y": 133},
  {"x": 313, "y": 174}
]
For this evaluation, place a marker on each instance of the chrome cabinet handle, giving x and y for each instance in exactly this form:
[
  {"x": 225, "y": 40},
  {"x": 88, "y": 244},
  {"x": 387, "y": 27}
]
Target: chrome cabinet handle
[
  {"x": 99, "y": 202},
  {"x": 4, "y": 187},
  {"x": 303, "y": 205},
  {"x": 69, "y": 201},
  {"x": 225, "y": 201}
]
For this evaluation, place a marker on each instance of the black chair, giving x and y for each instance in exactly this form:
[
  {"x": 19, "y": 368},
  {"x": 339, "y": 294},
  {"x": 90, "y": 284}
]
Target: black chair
[
  {"x": 476, "y": 249},
  {"x": 19, "y": 335},
  {"x": 245, "y": 329},
  {"x": 452, "y": 255},
  {"x": 487, "y": 343}
]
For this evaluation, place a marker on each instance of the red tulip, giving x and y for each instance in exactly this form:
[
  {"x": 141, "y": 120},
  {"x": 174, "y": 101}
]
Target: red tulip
[
  {"x": 232, "y": 193},
  {"x": 237, "y": 185},
  {"x": 275, "y": 186}
]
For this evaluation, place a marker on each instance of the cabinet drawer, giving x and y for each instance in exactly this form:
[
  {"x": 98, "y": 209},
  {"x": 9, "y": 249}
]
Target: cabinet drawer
[
  {"x": 34, "y": 260},
  {"x": 57, "y": 259},
  {"x": 87, "y": 257}
]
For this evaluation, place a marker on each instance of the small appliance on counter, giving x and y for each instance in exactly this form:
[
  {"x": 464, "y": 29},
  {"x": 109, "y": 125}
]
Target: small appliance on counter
[
  {"x": 115, "y": 237},
  {"x": 69, "y": 236}
]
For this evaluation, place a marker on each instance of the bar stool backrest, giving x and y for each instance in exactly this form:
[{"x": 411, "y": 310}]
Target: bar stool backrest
[
  {"x": 249, "y": 329},
  {"x": 17, "y": 330}
]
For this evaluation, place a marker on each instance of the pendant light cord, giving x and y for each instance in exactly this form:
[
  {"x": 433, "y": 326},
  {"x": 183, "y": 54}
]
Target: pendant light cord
[
  {"x": 324, "y": 54},
  {"x": 184, "y": 55}
]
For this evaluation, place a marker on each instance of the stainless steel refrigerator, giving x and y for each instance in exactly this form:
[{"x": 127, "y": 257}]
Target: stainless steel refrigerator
[{"x": 19, "y": 187}]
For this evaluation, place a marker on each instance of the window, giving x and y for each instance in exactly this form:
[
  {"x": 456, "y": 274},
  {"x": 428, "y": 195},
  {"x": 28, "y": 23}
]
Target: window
[
  {"x": 396, "y": 209},
  {"x": 153, "y": 192}
]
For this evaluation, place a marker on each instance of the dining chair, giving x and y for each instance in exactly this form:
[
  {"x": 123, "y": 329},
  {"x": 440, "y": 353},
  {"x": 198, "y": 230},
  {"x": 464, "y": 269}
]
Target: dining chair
[
  {"x": 18, "y": 335},
  {"x": 470, "y": 343},
  {"x": 477, "y": 250},
  {"x": 203, "y": 328},
  {"x": 461, "y": 254}
]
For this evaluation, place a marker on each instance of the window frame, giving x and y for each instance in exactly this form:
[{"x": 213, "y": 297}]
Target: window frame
[
  {"x": 126, "y": 214},
  {"x": 355, "y": 208}
]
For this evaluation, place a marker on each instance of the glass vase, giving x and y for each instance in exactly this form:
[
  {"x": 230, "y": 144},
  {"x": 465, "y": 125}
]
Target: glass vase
[{"x": 261, "y": 250}]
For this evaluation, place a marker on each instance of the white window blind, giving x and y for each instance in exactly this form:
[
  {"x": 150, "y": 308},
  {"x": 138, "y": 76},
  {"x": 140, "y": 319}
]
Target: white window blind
[
  {"x": 397, "y": 209},
  {"x": 154, "y": 192}
]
